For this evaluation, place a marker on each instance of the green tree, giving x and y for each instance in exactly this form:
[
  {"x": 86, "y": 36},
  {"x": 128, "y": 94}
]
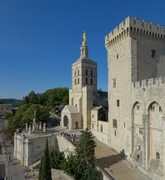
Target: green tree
[
  {"x": 45, "y": 167},
  {"x": 33, "y": 98},
  {"x": 85, "y": 153},
  {"x": 56, "y": 159},
  {"x": 69, "y": 165},
  {"x": 41, "y": 169},
  {"x": 25, "y": 114},
  {"x": 93, "y": 174}
]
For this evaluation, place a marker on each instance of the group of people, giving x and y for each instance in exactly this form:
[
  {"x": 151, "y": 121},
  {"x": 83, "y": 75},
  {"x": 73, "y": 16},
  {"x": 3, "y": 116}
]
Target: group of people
[{"x": 71, "y": 137}]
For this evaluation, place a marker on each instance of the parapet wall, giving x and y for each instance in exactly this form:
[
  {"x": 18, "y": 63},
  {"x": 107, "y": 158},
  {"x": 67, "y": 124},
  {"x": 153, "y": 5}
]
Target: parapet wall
[
  {"x": 150, "y": 83},
  {"x": 135, "y": 24}
]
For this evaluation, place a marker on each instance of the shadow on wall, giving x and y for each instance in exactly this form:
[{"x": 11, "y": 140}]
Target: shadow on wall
[{"x": 108, "y": 161}]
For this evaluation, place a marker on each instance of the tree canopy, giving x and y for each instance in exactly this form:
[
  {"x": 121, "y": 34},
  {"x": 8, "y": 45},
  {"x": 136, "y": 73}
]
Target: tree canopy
[
  {"x": 82, "y": 165},
  {"x": 52, "y": 97},
  {"x": 42, "y": 103}
]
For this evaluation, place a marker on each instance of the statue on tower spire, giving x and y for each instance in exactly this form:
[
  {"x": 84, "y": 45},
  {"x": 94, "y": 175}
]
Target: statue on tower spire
[
  {"x": 84, "y": 48},
  {"x": 84, "y": 39}
]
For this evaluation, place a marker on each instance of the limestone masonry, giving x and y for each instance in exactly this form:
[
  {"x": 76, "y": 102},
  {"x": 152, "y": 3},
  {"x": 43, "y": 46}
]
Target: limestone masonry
[
  {"x": 136, "y": 88},
  {"x": 136, "y": 95}
]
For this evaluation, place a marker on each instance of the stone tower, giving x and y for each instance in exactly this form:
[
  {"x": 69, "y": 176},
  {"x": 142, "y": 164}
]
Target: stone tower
[
  {"x": 82, "y": 96},
  {"x": 135, "y": 52},
  {"x": 84, "y": 84}
]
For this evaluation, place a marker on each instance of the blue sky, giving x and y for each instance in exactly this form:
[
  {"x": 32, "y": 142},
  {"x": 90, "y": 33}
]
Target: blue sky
[{"x": 40, "y": 39}]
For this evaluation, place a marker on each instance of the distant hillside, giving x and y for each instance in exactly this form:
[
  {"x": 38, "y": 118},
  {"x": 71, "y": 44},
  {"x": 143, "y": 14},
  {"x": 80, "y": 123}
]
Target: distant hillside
[{"x": 14, "y": 102}]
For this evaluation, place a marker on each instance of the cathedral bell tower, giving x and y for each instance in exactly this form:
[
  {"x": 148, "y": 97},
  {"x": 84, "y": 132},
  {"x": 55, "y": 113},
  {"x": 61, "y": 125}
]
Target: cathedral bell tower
[{"x": 82, "y": 95}]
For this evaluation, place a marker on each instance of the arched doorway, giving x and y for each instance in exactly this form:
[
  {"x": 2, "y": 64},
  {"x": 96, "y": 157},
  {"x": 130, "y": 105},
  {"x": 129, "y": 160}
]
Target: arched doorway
[
  {"x": 155, "y": 132},
  {"x": 137, "y": 132},
  {"x": 66, "y": 121}
]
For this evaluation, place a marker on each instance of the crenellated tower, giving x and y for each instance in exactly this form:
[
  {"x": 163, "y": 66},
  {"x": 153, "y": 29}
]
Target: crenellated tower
[{"x": 136, "y": 51}]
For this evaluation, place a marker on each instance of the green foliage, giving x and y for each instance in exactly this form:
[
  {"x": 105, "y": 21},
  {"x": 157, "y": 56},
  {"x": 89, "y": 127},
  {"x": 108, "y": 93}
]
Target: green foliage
[
  {"x": 85, "y": 153},
  {"x": 52, "y": 97},
  {"x": 81, "y": 165},
  {"x": 69, "y": 165},
  {"x": 45, "y": 167},
  {"x": 56, "y": 159},
  {"x": 41, "y": 103},
  {"x": 25, "y": 114},
  {"x": 86, "y": 149},
  {"x": 93, "y": 174},
  {"x": 41, "y": 169}
]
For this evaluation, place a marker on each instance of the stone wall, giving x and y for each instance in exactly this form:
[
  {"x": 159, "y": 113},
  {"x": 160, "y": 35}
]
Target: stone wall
[{"x": 30, "y": 150}]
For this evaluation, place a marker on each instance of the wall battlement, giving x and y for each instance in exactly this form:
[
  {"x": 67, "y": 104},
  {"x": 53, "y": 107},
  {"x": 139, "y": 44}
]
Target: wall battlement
[
  {"x": 149, "y": 83},
  {"x": 135, "y": 24}
]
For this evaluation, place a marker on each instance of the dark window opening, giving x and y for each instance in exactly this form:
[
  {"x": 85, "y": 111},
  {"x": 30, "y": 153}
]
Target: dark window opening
[
  {"x": 75, "y": 81},
  {"x": 153, "y": 53},
  {"x": 86, "y": 80},
  {"x": 91, "y": 73},
  {"x": 139, "y": 147},
  {"x": 78, "y": 81},
  {"x": 138, "y": 157},
  {"x": 114, "y": 82},
  {"x": 91, "y": 81},
  {"x": 160, "y": 109},
  {"x": 118, "y": 103},
  {"x": 115, "y": 132},
  {"x": 157, "y": 155},
  {"x": 114, "y": 123},
  {"x": 86, "y": 72},
  {"x": 138, "y": 107},
  {"x": 152, "y": 108}
]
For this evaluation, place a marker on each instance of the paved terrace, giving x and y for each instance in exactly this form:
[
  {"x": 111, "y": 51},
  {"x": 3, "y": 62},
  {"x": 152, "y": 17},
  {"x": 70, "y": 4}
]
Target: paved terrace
[{"x": 114, "y": 165}]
